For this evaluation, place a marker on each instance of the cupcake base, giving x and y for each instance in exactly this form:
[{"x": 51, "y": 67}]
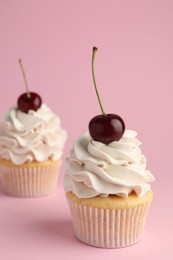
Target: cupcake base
[
  {"x": 29, "y": 180},
  {"x": 110, "y": 222}
]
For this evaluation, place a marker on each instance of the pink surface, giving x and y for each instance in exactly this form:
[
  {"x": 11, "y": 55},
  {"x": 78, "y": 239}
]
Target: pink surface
[{"x": 134, "y": 73}]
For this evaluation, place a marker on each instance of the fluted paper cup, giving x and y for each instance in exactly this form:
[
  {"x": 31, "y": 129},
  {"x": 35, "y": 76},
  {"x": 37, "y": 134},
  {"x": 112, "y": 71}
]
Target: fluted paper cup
[
  {"x": 29, "y": 180},
  {"x": 108, "y": 228}
]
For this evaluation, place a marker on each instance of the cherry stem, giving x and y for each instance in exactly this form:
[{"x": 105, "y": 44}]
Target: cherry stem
[
  {"x": 25, "y": 80},
  {"x": 93, "y": 56}
]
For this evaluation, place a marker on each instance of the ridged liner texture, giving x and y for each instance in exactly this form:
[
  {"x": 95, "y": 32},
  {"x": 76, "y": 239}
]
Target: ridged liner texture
[
  {"x": 34, "y": 181},
  {"x": 108, "y": 228}
]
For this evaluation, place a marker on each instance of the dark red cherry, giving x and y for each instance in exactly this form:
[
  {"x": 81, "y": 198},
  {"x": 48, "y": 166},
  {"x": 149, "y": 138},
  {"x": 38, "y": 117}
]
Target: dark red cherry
[
  {"x": 106, "y": 128},
  {"x": 28, "y": 100},
  {"x": 31, "y": 102}
]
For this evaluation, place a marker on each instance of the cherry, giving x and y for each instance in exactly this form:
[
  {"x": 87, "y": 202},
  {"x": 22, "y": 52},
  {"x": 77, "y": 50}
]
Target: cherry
[
  {"x": 26, "y": 103},
  {"x": 105, "y": 128},
  {"x": 29, "y": 100}
]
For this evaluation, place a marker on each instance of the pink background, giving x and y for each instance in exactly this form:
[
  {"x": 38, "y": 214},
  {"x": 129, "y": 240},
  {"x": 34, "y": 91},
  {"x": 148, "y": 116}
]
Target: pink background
[{"x": 134, "y": 66}]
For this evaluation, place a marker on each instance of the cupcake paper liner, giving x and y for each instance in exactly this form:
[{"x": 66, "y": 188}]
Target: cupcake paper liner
[
  {"x": 29, "y": 181},
  {"x": 108, "y": 228}
]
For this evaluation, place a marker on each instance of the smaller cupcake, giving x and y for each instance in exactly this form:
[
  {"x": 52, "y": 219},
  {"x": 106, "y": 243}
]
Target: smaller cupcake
[{"x": 31, "y": 147}]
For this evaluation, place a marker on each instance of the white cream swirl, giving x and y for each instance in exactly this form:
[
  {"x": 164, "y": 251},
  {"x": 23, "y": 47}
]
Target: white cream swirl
[
  {"x": 33, "y": 136},
  {"x": 94, "y": 168}
]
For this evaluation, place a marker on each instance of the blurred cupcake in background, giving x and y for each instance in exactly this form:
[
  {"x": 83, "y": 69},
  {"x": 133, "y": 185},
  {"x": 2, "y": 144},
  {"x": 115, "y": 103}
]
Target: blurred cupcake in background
[{"x": 31, "y": 147}]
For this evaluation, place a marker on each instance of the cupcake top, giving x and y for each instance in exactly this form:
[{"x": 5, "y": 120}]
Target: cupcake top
[
  {"x": 119, "y": 168},
  {"x": 33, "y": 136}
]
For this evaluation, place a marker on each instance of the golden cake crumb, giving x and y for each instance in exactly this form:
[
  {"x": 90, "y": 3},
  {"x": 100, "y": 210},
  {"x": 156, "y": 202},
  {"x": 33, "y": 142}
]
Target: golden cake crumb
[
  {"x": 28, "y": 164},
  {"x": 112, "y": 201}
]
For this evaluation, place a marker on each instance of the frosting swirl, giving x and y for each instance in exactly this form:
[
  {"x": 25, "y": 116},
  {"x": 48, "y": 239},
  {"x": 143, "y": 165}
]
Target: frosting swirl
[
  {"x": 33, "y": 136},
  {"x": 94, "y": 168}
]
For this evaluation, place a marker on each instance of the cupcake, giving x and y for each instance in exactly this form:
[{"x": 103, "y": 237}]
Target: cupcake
[
  {"x": 108, "y": 190},
  {"x": 107, "y": 185},
  {"x": 31, "y": 146}
]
